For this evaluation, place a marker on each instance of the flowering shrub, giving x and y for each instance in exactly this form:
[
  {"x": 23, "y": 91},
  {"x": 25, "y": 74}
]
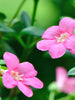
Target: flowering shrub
[{"x": 19, "y": 37}]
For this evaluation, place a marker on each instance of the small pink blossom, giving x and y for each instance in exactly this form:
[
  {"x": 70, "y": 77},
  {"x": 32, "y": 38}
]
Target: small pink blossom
[
  {"x": 59, "y": 38},
  {"x": 64, "y": 83},
  {"x": 21, "y": 75}
]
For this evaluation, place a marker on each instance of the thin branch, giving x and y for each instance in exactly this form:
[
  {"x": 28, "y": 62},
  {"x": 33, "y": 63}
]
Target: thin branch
[
  {"x": 18, "y": 10},
  {"x": 34, "y": 11}
]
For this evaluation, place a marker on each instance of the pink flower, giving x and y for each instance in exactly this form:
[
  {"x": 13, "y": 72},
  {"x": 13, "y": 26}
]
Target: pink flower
[
  {"x": 64, "y": 83},
  {"x": 21, "y": 75},
  {"x": 59, "y": 38}
]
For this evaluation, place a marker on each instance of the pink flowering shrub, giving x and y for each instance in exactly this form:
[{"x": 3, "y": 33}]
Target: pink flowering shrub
[
  {"x": 59, "y": 38},
  {"x": 21, "y": 75},
  {"x": 64, "y": 83}
]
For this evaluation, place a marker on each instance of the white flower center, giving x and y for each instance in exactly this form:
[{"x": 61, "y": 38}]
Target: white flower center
[
  {"x": 62, "y": 37},
  {"x": 16, "y": 75}
]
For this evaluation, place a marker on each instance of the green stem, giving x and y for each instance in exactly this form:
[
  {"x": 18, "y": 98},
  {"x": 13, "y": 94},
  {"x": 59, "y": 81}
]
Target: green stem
[
  {"x": 12, "y": 94},
  {"x": 52, "y": 95},
  {"x": 28, "y": 39},
  {"x": 19, "y": 8},
  {"x": 25, "y": 54},
  {"x": 21, "y": 42},
  {"x": 34, "y": 11}
]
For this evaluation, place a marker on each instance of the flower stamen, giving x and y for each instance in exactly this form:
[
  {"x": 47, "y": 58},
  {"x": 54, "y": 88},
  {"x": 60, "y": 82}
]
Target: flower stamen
[
  {"x": 62, "y": 37},
  {"x": 16, "y": 75}
]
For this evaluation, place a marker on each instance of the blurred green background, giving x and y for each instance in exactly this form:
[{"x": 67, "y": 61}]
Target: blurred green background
[{"x": 49, "y": 12}]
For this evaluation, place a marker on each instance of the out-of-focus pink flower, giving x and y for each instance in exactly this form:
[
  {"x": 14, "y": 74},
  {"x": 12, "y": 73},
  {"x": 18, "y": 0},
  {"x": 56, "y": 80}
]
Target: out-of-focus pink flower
[
  {"x": 59, "y": 38},
  {"x": 64, "y": 83},
  {"x": 21, "y": 75}
]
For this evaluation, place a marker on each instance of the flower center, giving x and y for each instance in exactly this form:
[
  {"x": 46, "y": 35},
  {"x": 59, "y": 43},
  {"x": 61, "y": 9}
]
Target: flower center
[
  {"x": 62, "y": 37},
  {"x": 16, "y": 75}
]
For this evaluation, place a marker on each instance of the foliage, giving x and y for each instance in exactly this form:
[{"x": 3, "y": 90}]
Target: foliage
[{"x": 20, "y": 37}]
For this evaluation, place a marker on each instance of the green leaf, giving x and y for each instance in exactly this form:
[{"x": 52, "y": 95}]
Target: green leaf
[
  {"x": 0, "y": 98},
  {"x": 25, "y": 19},
  {"x": 2, "y": 62},
  {"x": 5, "y": 28},
  {"x": 35, "y": 31},
  {"x": 17, "y": 26},
  {"x": 7, "y": 47},
  {"x": 8, "y": 98},
  {"x": 64, "y": 98},
  {"x": 2, "y": 16},
  {"x": 72, "y": 71},
  {"x": 3, "y": 67}
]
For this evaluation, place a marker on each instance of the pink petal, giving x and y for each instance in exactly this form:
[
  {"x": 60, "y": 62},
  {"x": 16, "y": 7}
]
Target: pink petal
[
  {"x": 27, "y": 69},
  {"x": 72, "y": 51},
  {"x": 25, "y": 89},
  {"x": 11, "y": 60},
  {"x": 34, "y": 82},
  {"x": 69, "y": 85},
  {"x": 70, "y": 43},
  {"x": 57, "y": 50},
  {"x": 45, "y": 44},
  {"x": 61, "y": 76},
  {"x": 51, "y": 32},
  {"x": 67, "y": 25},
  {"x": 8, "y": 80}
]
